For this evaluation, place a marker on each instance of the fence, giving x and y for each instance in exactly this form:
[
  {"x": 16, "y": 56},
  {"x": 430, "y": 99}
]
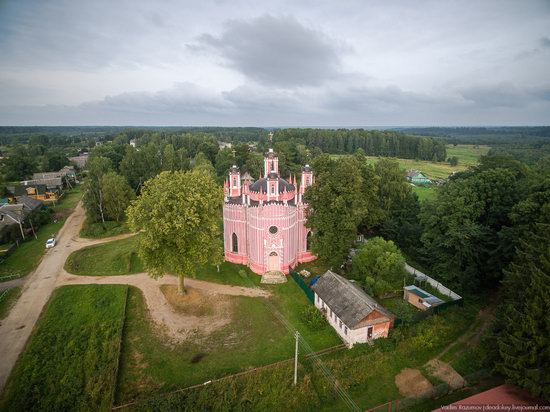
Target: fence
[
  {"x": 444, "y": 290},
  {"x": 298, "y": 279}
]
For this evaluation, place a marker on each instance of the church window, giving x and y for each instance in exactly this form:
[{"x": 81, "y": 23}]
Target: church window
[
  {"x": 345, "y": 330},
  {"x": 308, "y": 241},
  {"x": 273, "y": 230},
  {"x": 234, "y": 243},
  {"x": 340, "y": 324},
  {"x": 272, "y": 189},
  {"x": 235, "y": 182}
]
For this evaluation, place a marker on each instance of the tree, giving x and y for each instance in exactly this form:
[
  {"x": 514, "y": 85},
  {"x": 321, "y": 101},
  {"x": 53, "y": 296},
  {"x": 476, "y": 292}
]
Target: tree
[
  {"x": 453, "y": 161},
  {"x": 523, "y": 324},
  {"x": 169, "y": 161},
  {"x": 19, "y": 165},
  {"x": 393, "y": 189},
  {"x": 93, "y": 199},
  {"x": 336, "y": 206},
  {"x": 201, "y": 162},
  {"x": 380, "y": 264},
  {"x": 117, "y": 195},
  {"x": 178, "y": 214}
]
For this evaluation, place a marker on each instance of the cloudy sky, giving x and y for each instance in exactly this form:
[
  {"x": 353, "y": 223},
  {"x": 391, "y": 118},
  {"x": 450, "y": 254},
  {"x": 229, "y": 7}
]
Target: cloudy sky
[{"x": 275, "y": 63}]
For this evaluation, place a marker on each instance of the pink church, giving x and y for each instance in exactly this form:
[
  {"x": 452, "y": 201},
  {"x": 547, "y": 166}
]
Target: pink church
[{"x": 264, "y": 221}]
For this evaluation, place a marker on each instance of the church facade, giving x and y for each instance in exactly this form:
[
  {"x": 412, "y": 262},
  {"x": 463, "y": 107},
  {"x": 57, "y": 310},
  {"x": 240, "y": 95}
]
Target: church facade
[{"x": 264, "y": 220}]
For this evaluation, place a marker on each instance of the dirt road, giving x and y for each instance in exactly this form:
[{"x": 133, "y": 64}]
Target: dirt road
[{"x": 16, "y": 328}]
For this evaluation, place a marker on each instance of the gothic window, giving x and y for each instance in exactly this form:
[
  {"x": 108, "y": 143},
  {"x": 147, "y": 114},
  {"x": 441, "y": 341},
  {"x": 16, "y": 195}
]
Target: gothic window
[
  {"x": 273, "y": 230},
  {"x": 234, "y": 182},
  {"x": 307, "y": 181},
  {"x": 272, "y": 189},
  {"x": 272, "y": 166},
  {"x": 308, "y": 241},
  {"x": 234, "y": 243}
]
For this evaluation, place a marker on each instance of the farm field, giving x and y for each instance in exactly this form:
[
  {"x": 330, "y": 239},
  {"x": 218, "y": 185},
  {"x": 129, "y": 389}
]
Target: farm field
[
  {"x": 424, "y": 192},
  {"x": 70, "y": 360},
  {"x": 468, "y": 155}
]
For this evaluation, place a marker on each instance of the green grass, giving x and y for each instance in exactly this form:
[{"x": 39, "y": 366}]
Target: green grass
[
  {"x": 70, "y": 360},
  {"x": 424, "y": 192},
  {"x": 9, "y": 297},
  {"x": 103, "y": 230},
  {"x": 255, "y": 337},
  {"x": 317, "y": 267},
  {"x": 108, "y": 259},
  {"x": 27, "y": 256},
  {"x": 468, "y": 154}
]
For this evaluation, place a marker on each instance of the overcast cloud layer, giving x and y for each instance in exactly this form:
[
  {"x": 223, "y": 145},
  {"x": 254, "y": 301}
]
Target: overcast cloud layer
[{"x": 276, "y": 63}]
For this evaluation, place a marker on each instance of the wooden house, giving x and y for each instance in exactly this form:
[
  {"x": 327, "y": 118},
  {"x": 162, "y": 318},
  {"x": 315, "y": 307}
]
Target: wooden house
[{"x": 356, "y": 317}]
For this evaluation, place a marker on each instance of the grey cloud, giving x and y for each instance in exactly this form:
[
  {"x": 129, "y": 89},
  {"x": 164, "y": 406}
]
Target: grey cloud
[
  {"x": 544, "y": 42},
  {"x": 277, "y": 51},
  {"x": 505, "y": 95}
]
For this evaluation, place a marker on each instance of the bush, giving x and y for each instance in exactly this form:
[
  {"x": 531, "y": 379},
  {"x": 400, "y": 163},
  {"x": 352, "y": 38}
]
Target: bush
[{"x": 313, "y": 318}]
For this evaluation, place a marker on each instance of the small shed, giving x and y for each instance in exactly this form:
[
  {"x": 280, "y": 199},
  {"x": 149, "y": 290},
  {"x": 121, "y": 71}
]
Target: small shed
[
  {"x": 420, "y": 298},
  {"x": 356, "y": 317}
]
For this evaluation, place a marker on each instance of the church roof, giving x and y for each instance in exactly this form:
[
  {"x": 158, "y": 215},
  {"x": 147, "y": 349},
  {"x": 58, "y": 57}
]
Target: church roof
[
  {"x": 346, "y": 299},
  {"x": 270, "y": 154},
  {"x": 262, "y": 184}
]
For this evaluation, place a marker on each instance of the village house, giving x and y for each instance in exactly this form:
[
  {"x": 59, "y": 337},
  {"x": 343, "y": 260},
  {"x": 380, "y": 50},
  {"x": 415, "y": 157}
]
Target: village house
[
  {"x": 80, "y": 160},
  {"x": 419, "y": 298},
  {"x": 356, "y": 317},
  {"x": 418, "y": 178},
  {"x": 14, "y": 215}
]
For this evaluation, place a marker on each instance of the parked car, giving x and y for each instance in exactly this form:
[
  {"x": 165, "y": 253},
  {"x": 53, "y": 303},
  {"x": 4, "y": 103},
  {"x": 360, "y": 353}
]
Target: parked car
[{"x": 50, "y": 243}]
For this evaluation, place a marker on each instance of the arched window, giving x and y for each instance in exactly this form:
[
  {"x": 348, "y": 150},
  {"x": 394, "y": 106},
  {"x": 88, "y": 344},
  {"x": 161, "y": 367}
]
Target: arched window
[
  {"x": 308, "y": 241},
  {"x": 234, "y": 243}
]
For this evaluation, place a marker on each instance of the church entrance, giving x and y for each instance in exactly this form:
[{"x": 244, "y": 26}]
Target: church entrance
[{"x": 273, "y": 262}]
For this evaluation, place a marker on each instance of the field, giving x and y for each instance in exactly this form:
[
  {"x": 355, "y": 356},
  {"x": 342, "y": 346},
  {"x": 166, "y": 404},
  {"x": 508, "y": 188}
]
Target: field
[
  {"x": 109, "y": 259},
  {"x": 70, "y": 360},
  {"x": 424, "y": 192},
  {"x": 254, "y": 337},
  {"x": 467, "y": 154}
]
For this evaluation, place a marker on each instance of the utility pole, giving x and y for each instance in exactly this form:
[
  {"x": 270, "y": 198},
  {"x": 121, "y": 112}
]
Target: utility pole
[{"x": 297, "y": 336}]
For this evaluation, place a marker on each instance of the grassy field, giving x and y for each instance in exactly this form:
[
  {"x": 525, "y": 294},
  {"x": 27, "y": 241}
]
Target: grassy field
[
  {"x": 103, "y": 230},
  {"x": 109, "y": 259},
  {"x": 468, "y": 155},
  {"x": 70, "y": 360},
  {"x": 8, "y": 298},
  {"x": 424, "y": 192},
  {"x": 253, "y": 338},
  {"x": 366, "y": 373}
]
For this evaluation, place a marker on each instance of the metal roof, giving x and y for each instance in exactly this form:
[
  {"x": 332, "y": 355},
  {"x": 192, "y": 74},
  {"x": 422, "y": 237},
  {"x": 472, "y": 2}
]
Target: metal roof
[{"x": 350, "y": 303}]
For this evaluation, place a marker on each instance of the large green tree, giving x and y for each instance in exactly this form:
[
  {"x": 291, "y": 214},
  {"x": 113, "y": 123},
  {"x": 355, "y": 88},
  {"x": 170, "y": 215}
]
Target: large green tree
[
  {"x": 178, "y": 215},
  {"x": 117, "y": 195},
  {"x": 523, "y": 323},
  {"x": 380, "y": 265},
  {"x": 336, "y": 206}
]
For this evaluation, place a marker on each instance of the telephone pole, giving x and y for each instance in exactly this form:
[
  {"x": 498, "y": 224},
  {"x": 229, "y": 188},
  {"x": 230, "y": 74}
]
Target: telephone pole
[{"x": 297, "y": 336}]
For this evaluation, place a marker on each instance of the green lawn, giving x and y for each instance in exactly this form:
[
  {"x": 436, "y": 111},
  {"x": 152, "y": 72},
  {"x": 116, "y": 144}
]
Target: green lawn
[
  {"x": 424, "y": 192},
  {"x": 102, "y": 230},
  {"x": 27, "y": 256},
  {"x": 70, "y": 360},
  {"x": 8, "y": 298},
  {"x": 108, "y": 259},
  {"x": 254, "y": 337}
]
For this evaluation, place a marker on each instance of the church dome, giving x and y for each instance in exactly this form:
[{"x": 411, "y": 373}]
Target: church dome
[{"x": 262, "y": 184}]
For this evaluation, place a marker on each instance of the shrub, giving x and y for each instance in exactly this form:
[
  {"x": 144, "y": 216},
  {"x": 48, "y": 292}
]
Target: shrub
[{"x": 313, "y": 318}]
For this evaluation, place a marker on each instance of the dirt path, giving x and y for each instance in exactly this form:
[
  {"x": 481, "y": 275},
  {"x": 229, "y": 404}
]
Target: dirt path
[
  {"x": 178, "y": 326},
  {"x": 11, "y": 283},
  {"x": 38, "y": 286}
]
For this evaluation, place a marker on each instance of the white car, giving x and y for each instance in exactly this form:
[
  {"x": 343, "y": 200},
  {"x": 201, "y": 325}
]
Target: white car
[{"x": 50, "y": 243}]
